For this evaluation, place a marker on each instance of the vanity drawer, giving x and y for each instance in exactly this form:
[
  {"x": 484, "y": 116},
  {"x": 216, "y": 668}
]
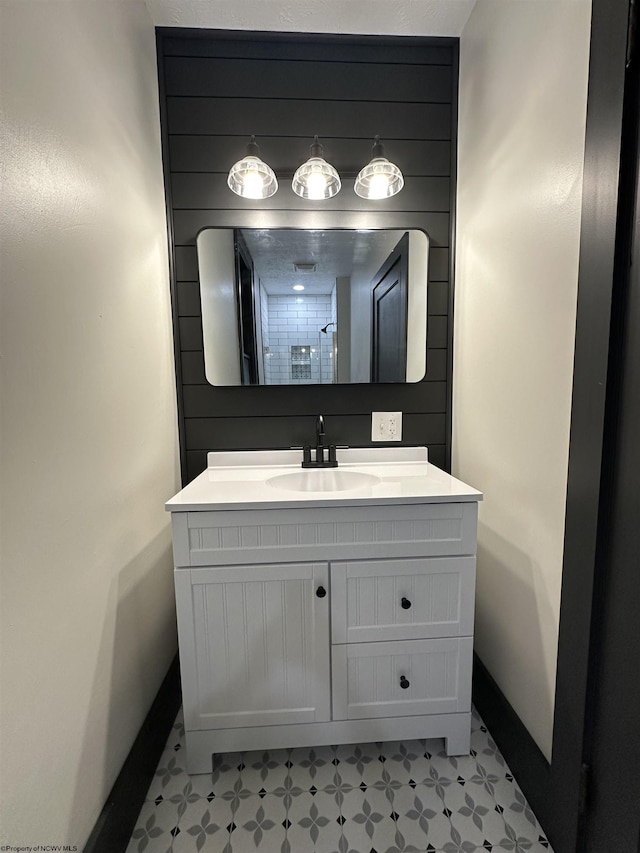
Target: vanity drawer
[
  {"x": 402, "y": 678},
  {"x": 405, "y": 599}
]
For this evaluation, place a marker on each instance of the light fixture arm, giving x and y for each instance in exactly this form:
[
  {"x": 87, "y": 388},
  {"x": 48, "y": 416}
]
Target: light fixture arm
[
  {"x": 253, "y": 149},
  {"x": 377, "y": 149},
  {"x": 317, "y": 148}
]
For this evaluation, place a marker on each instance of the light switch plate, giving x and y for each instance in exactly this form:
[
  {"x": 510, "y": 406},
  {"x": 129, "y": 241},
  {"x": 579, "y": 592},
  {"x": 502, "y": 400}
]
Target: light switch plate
[{"x": 386, "y": 426}]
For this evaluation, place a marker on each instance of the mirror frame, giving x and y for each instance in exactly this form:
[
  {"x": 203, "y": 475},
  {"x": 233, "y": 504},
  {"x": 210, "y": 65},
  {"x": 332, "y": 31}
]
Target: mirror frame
[{"x": 238, "y": 360}]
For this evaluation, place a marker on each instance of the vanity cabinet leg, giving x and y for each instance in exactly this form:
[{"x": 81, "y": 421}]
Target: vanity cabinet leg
[
  {"x": 199, "y": 755},
  {"x": 458, "y": 745},
  {"x": 458, "y": 741}
]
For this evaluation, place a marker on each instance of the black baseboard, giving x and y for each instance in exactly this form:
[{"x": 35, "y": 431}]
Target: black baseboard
[
  {"x": 117, "y": 820},
  {"x": 529, "y": 766}
]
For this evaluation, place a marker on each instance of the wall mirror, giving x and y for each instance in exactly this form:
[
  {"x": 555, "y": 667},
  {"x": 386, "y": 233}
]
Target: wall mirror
[{"x": 294, "y": 306}]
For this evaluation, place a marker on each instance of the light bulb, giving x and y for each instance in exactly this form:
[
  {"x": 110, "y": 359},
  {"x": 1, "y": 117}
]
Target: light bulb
[
  {"x": 379, "y": 186},
  {"x": 253, "y": 185},
  {"x": 317, "y": 185}
]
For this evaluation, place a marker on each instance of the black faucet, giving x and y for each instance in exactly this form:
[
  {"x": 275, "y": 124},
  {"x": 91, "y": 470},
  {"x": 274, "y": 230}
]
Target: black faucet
[{"x": 320, "y": 461}]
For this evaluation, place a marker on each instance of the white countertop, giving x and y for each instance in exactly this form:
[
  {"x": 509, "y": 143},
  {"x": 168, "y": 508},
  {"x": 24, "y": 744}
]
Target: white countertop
[{"x": 238, "y": 481}]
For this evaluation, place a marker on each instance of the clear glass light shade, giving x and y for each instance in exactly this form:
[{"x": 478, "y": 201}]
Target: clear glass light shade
[
  {"x": 379, "y": 179},
  {"x": 252, "y": 178},
  {"x": 316, "y": 180}
]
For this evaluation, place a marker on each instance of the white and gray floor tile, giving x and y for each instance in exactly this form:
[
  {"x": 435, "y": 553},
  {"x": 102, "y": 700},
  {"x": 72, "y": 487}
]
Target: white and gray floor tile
[{"x": 361, "y": 798}]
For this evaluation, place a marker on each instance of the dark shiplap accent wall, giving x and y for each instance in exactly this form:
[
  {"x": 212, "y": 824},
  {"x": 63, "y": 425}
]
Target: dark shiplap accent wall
[{"x": 218, "y": 88}]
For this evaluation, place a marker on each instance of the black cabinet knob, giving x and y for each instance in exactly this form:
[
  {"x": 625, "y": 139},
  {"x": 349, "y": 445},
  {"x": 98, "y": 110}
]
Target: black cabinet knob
[
  {"x": 321, "y": 592},
  {"x": 405, "y": 604},
  {"x": 404, "y": 682}
]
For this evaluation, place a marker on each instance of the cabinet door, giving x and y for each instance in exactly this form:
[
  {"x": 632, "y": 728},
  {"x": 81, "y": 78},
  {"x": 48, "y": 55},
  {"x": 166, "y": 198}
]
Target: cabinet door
[
  {"x": 254, "y": 645},
  {"x": 406, "y": 599}
]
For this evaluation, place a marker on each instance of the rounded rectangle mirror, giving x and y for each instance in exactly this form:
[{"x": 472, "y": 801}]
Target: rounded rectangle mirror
[{"x": 293, "y": 306}]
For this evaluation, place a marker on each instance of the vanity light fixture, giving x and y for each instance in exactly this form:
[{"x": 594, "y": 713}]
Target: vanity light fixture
[
  {"x": 251, "y": 177},
  {"x": 316, "y": 179},
  {"x": 379, "y": 178}
]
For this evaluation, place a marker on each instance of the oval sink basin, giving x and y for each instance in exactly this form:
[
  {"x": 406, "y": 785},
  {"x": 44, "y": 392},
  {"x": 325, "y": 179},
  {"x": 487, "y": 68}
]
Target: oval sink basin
[{"x": 322, "y": 480}]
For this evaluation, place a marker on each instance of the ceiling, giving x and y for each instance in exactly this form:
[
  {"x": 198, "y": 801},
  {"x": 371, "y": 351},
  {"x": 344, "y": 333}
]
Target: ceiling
[
  {"x": 365, "y": 17},
  {"x": 276, "y": 252}
]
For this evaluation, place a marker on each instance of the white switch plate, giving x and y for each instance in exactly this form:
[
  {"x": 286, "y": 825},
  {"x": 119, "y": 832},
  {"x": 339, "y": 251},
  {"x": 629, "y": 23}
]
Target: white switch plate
[{"x": 386, "y": 426}]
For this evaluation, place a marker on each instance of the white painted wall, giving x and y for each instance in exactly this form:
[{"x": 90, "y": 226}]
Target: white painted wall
[
  {"x": 88, "y": 443},
  {"x": 523, "y": 85},
  {"x": 217, "y": 275}
]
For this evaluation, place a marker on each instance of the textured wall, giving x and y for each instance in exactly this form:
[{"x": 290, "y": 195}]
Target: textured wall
[
  {"x": 523, "y": 86},
  {"x": 400, "y": 17},
  {"x": 88, "y": 410}
]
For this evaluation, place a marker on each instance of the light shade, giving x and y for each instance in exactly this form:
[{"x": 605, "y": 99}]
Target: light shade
[
  {"x": 316, "y": 179},
  {"x": 379, "y": 178},
  {"x": 251, "y": 177}
]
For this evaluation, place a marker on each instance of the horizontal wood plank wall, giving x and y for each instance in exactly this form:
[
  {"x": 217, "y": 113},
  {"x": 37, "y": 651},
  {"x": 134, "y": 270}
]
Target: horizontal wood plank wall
[{"x": 217, "y": 89}]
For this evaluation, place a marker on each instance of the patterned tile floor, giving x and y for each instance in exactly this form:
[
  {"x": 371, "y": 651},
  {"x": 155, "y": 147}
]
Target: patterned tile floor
[{"x": 364, "y": 798}]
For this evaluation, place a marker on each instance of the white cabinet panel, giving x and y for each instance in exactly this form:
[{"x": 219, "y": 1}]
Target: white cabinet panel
[
  {"x": 402, "y": 599},
  {"x": 279, "y": 535},
  {"x": 254, "y": 645},
  {"x": 402, "y": 678}
]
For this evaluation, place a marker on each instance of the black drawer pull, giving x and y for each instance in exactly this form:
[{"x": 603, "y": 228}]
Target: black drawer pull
[
  {"x": 405, "y": 604},
  {"x": 404, "y": 682},
  {"x": 321, "y": 592}
]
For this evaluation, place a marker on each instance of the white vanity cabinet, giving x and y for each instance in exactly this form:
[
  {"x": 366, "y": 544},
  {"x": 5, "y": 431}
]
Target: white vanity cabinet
[{"x": 325, "y": 621}]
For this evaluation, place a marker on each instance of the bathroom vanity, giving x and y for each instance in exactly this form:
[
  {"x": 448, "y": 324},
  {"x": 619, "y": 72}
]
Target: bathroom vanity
[{"x": 324, "y": 606}]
